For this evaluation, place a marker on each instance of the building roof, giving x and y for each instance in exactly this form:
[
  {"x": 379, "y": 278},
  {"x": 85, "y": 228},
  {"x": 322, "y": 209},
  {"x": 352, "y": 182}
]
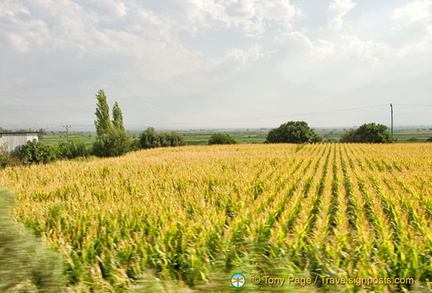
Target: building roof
[{"x": 21, "y": 132}]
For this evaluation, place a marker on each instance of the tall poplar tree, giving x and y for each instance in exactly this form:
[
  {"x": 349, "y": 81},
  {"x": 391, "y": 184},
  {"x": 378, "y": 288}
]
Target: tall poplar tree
[
  {"x": 117, "y": 121},
  {"x": 112, "y": 138},
  {"x": 103, "y": 122}
]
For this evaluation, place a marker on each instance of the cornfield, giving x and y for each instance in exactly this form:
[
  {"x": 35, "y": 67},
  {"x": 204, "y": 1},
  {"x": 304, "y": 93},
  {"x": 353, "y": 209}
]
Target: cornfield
[{"x": 189, "y": 214}]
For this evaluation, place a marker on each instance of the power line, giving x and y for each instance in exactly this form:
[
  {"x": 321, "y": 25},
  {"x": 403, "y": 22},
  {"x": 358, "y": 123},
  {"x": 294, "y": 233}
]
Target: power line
[{"x": 414, "y": 105}]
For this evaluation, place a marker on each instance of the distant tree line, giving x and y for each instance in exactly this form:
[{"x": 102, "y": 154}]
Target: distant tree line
[{"x": 300, "y": 132}]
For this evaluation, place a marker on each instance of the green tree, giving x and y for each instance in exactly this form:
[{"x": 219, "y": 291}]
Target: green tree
[
  {"x": 293, "y": 132},
  {"x": 221, "y": 138},
  {"x": 102, "y": 123},
  {"x": 172, "y": 139},
  {"x": 112, "y": 138},
  {"x": 117, "y": 117},
  {"x": 368, "y": 133},
  {"x": 149, "y": 139},
  {"x": 36, "y": 152}
]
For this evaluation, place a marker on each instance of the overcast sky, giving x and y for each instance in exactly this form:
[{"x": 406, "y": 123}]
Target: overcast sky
[{"x": 216, "y": 63}]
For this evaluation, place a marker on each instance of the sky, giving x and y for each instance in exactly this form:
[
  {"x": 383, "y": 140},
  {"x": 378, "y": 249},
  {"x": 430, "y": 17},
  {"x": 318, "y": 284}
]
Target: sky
[{"x": 196, "y": 64}]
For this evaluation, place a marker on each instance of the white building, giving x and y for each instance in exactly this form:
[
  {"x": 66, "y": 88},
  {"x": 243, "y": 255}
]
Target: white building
[{"x": 12, "y": 141}]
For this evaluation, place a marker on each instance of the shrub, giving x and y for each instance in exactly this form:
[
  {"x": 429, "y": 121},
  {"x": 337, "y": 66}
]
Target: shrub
[
  {"x": 115, "y": 143},
  {"x": 293, "y": 132},
  {"x": 36, "y": 152},
  {"x": 25, "y": 264},
  {"x": 8, "y": 160},
  {"x": 220, "y": 138},
  {"x": 71, "y": 149},
  {"x": 172, "y": 139},
  {"x": 4, "y": 156},
  {"x": 135, "y": 145},
  {"x": 368, "y": 133},
  {"x": 149, "y": 138}
]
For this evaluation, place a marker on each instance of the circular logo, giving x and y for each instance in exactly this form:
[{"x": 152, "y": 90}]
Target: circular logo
[{"x": 238, "y": 280}]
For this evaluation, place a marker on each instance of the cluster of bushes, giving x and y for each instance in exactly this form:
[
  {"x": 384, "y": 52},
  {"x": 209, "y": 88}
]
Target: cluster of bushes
[
  {"x": 151, "y": 139},
  {"x": 35, "y": 152}
]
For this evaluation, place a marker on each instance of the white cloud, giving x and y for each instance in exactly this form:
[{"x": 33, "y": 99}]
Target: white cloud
[
  {"x": 413, "y": 23},
  {"x": 324, "y": 48},
  {"x": 48, "y": 25},
  {"x": 194, "y": 16},
  {"x": 280, "y": 11},
  {"x": 417, "y": 11},
  {"x": 11, "y": 9},
  {"x": 254, "y": 16},
  {"x": 296, "y": 37},
  {"x": 19, "y": 42},
  {"x": 364, "y": 50},
  {"x": 337, "y": 10},
  {"x": 109, "y": 10},
  {"x": 252, "y": 54},
  {"x": 299, "y": 43}
]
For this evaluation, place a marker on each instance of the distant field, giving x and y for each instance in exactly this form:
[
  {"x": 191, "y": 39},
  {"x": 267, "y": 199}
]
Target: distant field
[
  {"x": 192, "y": 137},
  {"x": 56, "y": 137},
  {"x": 413, "y": 134},
  {"x": 200, "y": 137},
  {"x": 193, "y": 216}
]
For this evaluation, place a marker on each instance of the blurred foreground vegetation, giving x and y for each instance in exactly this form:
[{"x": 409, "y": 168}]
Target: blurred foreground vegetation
[{"x": 26, "y": 265}]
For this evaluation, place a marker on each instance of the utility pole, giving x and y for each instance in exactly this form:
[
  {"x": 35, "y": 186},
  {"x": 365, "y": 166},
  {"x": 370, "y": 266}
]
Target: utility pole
[
  {"x": 391, "y": 114},
  {"x": 67, "y": 131}
]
